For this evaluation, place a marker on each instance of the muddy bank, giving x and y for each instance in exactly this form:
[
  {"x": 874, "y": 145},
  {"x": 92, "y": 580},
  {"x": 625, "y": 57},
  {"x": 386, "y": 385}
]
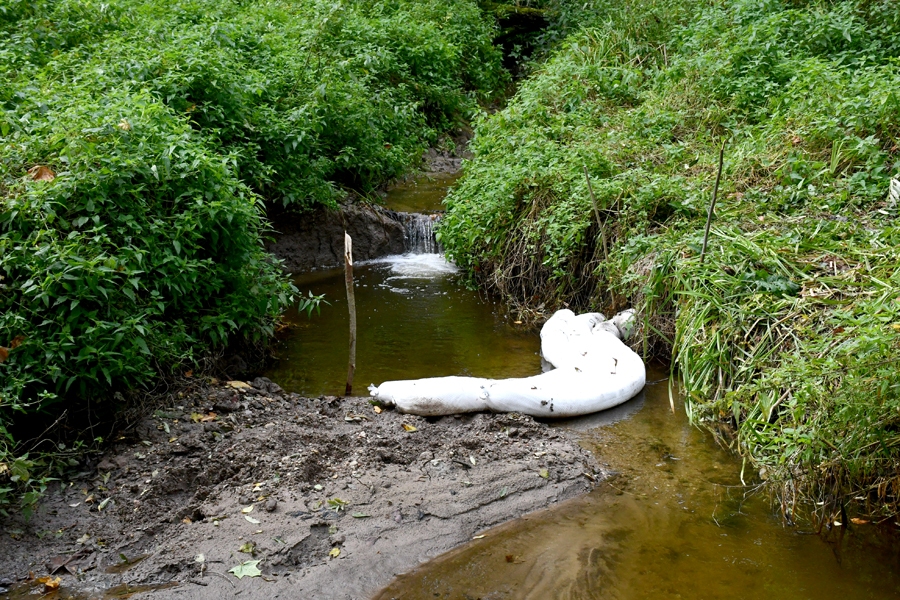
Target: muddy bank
[
  {"x": 332, "y": 497},
  {"x": 315, "y": 240}
]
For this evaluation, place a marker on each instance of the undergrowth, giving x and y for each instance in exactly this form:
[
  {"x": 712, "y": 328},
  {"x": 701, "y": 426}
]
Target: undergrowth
[
  {"x": 788, "y": 330},
  {"x": 142, "y": 142}
]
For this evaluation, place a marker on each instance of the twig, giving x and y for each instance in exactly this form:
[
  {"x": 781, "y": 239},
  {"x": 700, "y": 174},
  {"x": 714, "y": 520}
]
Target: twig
[
  {"x": 712, "y": 204},
  {"x": 596, "y": 213}
]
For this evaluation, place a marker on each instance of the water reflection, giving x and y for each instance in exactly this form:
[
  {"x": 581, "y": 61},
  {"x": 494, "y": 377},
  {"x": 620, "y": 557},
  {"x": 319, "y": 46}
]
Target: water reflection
[
  {"x": 414, "y": 320},
  {"x": 674, "y": 522}
]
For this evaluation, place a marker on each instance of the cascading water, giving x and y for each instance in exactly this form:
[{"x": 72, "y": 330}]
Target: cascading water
[{"x": 419, "y": 236}]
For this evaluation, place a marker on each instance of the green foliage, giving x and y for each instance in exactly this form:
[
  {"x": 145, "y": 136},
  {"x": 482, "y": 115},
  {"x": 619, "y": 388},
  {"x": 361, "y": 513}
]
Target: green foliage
[
  {"x": 141, "y": 143},
  {"x": 786, "y": 330}
]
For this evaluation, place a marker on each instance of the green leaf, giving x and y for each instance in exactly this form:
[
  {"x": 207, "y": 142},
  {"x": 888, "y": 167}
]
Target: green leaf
[{"x": 246, "y": 569}]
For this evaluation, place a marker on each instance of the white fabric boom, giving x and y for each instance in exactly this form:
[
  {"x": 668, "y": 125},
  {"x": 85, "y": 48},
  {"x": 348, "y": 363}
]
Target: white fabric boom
[{"x": 593, "y": 371}]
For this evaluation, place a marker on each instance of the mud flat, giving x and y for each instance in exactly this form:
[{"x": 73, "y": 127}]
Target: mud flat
[{"x": 343, "y": 497}]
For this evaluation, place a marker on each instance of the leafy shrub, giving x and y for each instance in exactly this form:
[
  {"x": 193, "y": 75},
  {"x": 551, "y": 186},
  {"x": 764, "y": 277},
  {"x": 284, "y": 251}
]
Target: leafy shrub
[{"x": 142, "y": 142}]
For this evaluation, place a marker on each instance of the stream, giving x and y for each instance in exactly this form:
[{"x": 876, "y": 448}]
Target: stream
[{"x": 674, "y": 521}]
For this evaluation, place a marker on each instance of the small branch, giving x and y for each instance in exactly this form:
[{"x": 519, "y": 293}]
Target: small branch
[
  {"x": 596, "y": 213},
  {"x": 712, "y": 204}
]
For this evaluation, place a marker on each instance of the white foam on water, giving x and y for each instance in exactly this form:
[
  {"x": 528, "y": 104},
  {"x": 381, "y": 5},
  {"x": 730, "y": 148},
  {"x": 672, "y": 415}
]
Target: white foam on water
[{"x": 417, "y": 266}]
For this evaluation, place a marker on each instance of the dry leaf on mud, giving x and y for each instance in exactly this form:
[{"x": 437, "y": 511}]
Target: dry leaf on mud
[
  {"x": 858, "y": 521},
  {"x": 251, "y": 520},
  {"x": 50, "y": 583},
  {"x": 335, "y": 552},
  {"x": 247, "y": 548},
  {"x": 377, "y": 410},
  {"x": 247, "y": 509},
  {"x": 409, "y": 428},
  {"x": 4, "y": 354},
  {"x": 246, "y": 569},
  {"x": 103, "y": 504},
  {"x": 544, "y": 473},
  {"x": 41, "y": 173},
  {"x": 239, "y": 385},
  {"x": 360, "y": 515}
]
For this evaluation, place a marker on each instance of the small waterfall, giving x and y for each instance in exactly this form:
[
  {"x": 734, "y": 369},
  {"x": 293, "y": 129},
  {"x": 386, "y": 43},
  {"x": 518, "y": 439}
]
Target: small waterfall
[{"x": 419, "y": 235}]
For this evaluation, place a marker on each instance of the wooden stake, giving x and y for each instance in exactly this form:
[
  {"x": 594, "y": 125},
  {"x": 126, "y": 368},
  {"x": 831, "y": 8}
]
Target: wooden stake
[
  {"x": 712, "y": 204},
  {"x": 351, "y": 306},
  {"x": 596, "y": 213}
]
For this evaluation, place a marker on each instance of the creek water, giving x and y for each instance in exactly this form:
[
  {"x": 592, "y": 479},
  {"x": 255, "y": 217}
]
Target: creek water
[{"x": 674, "y": 522}]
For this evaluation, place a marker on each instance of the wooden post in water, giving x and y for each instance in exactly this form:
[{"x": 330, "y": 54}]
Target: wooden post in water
[{"x": 351, "y": 306}]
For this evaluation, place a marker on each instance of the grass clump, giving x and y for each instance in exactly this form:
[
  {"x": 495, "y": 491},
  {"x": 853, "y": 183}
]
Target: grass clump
[
  {"x": 142, "y": 143},
  {"x": 788, "y": 329}
]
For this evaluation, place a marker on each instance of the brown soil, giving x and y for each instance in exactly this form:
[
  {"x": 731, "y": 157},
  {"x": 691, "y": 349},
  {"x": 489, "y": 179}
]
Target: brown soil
[{"x": 232, "y": 475}]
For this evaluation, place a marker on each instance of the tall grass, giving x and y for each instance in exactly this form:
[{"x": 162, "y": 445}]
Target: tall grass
[{"x": 786, "y": 332}]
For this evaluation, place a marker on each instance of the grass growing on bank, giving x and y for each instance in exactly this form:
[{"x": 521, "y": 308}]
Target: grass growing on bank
[
  {"x": 140, "y": 144},
  {"x": 789, "y": 329}
]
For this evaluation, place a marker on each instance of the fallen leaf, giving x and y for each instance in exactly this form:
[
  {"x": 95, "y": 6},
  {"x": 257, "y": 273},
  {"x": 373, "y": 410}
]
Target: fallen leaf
[
  {"x": 246, "y": 569},
  {"x": 74, "y": 505},
  {"x": 247, "y": 548},
  {"x": 409, "y": 428},
  {"x": 239, "y": 385},
  {"x": 517, "y": 322},
  {"x": 186, "y": 521},
  {"x": 83, "y": 539},
  {"x": 189, "y": 373},
  {"x": 544, "y": 473},
  {"x": 838, "y": 524},
  {"x": 858, "y": 521},
  {"x": 16, "y": 342},
  {"x": 477, "y": 537},
  {"x": 41, "y": 173},
  {"x": 377, "y": 410},
  {"x": 335, "y": 552},
  {"x": 103, "y": 504},
  {"x": 247, "y": 509},
  {"x": 360, "y": 515},
  {"x": 50, "y": 583},
  {"x": 4, "y": 354},
  {"x": 472, "y": 460},
  {"x": 200, "y": 558},
  {"x": 252, "y": 520},
  {"x": 207, "y": 418},
  {"x": 317, "y": 487},
  {"x": 337, "y": 505},
  {"x": 124, "y": 125},
  {"x": 195, "y": 417}
]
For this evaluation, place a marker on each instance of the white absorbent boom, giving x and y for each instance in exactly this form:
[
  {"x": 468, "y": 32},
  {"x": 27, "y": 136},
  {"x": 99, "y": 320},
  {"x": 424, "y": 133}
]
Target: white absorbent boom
[{"x": 593, "y": 370}]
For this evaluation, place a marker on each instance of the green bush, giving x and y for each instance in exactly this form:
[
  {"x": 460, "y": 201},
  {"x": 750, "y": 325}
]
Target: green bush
[
  {"x": 788, "y": 322},
  {"x": 141, "y": 144}
]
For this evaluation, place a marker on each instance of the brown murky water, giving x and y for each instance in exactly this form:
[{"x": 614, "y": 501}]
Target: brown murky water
[
  {"x": 674, "y": 523},
  {"x": 423, "y": 194}
]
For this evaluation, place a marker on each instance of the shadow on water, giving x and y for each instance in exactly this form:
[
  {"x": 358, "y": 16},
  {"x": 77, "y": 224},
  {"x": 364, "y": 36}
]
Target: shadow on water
[{"x": 673, "y": 522}]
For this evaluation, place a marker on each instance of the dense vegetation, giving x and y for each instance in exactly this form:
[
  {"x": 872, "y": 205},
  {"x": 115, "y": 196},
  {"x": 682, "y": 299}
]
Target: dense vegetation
[
  {"x": 788, "y": 330},
  {"x": 141, "y": 144}
]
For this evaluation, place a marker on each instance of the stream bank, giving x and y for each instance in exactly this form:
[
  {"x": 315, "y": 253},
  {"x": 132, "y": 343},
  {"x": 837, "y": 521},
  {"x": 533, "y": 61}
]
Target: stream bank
[{"x": 319, "y": 473}]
